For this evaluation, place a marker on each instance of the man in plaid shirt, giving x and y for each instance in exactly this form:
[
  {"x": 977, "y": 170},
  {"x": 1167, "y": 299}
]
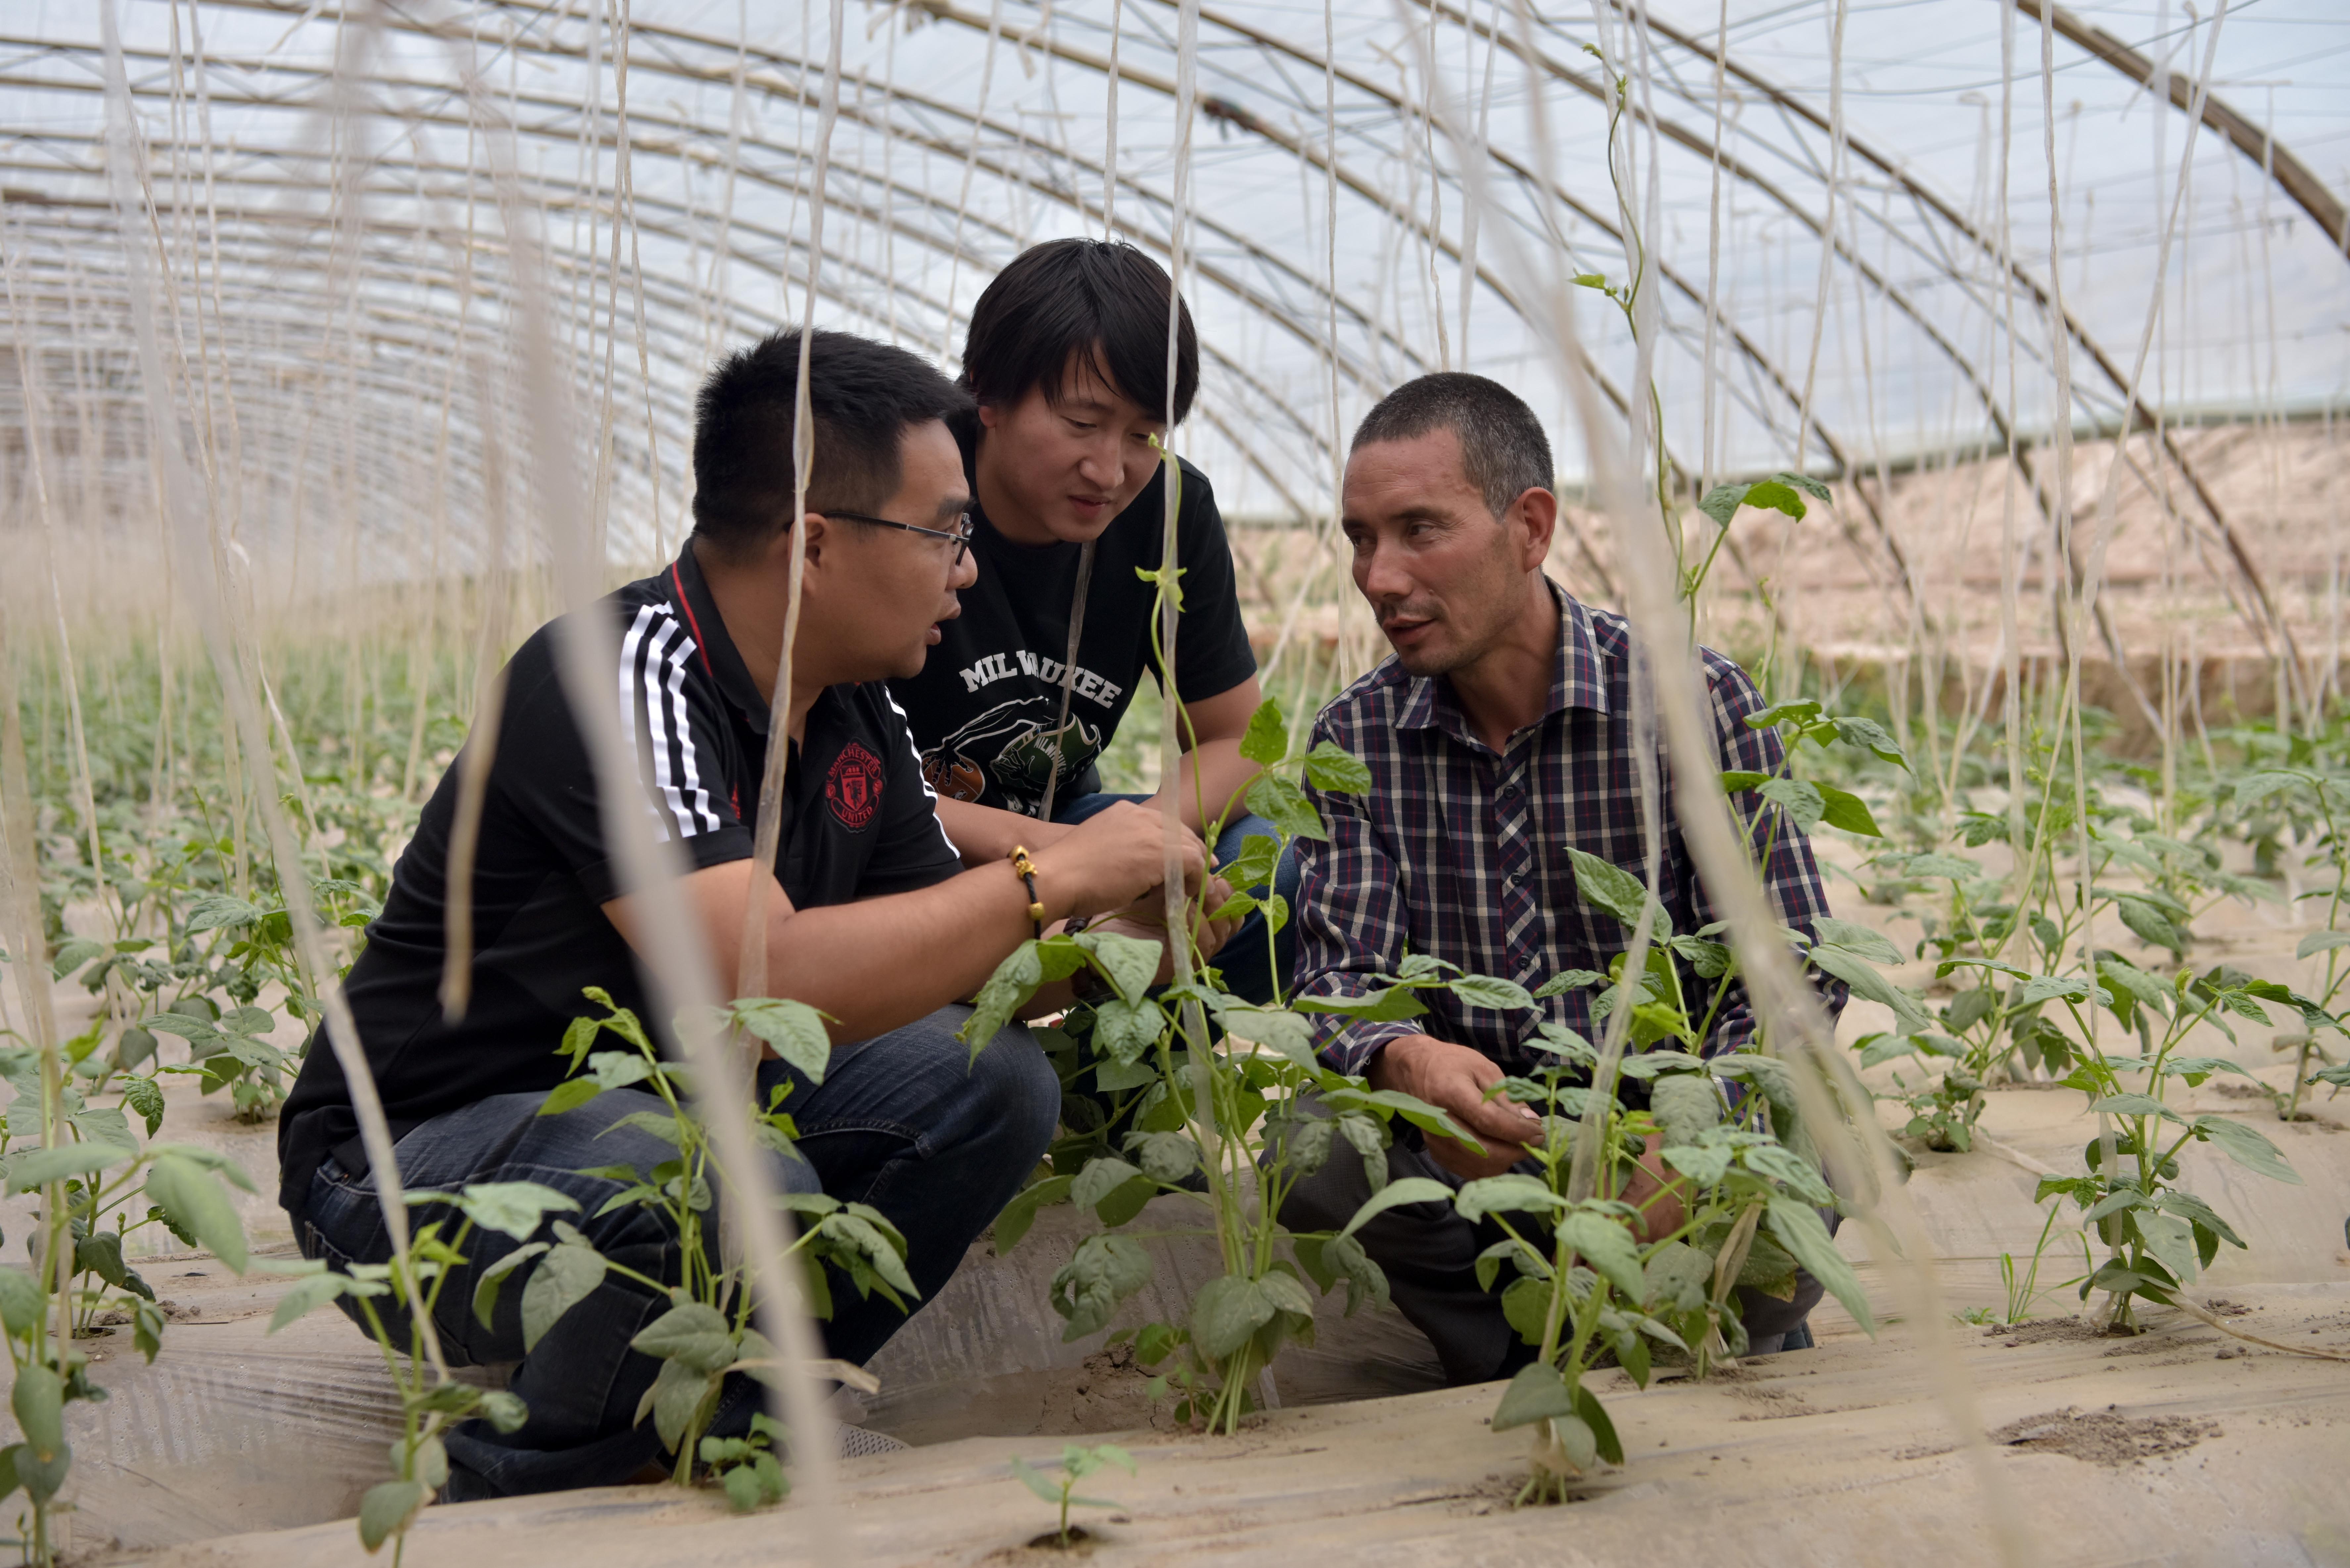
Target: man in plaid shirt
[{"x": 1498, "y": 736}]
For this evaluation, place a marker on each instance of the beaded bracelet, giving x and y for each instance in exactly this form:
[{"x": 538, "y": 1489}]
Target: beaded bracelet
[{"x": 1026, "y": 869}]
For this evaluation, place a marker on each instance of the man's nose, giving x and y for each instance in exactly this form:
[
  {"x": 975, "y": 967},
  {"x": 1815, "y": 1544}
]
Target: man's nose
[
  {"x": 966, "y": 570},
  {"x": 1379, "y": 574},
  {"x": 1101, "y": 462}
]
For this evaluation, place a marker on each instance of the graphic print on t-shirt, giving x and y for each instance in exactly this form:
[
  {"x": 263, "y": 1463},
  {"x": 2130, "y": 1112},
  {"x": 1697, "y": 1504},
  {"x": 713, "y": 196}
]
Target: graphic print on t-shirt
[
  {"x": 1012, "y": 743},
  {"x": 853, "y": 786}
]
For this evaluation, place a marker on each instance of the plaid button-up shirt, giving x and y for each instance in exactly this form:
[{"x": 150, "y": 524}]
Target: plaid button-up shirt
[{"x": 1461, "y": 852}]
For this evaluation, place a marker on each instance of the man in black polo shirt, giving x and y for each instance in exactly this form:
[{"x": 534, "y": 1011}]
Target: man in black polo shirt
[
  {"x": 1067, "y": 360},
  {"x": 872, "y": 917}
]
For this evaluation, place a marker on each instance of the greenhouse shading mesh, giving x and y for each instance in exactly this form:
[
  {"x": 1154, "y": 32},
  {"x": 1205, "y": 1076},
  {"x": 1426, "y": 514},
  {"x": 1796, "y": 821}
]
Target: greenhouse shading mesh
[{"x": 1861, "y": 192}]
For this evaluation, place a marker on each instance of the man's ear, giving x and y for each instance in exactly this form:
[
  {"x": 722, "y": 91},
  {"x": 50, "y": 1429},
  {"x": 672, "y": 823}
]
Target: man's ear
[{"x": 1536, "y": 520}]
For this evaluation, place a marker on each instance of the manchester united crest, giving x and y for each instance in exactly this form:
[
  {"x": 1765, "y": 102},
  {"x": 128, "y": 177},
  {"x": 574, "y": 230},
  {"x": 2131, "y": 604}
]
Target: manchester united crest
[{"x": 853, "y": 787}]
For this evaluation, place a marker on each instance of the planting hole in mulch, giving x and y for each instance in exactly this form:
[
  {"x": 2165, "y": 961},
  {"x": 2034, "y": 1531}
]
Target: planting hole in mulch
[{"x": 2106, "y": 1437}]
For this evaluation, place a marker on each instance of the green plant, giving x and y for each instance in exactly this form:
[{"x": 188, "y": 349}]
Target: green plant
[
  {"x": 88, "y": 1165},
  {"x": 1608, "y": 1276},
  {"x": 430, "y": 1401},
  {"x": 1217, "y": 1095},
  {"x": 1075, "y": 1464},
  {"x": 706, "y": 1333}
]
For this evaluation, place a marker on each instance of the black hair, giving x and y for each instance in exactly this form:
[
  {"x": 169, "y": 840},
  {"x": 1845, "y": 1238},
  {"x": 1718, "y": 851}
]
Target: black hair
[
  {"x": 862, "y": 397},
  {"x": 1100, "y": 303},
  {"x": 1503, "y": 451}
]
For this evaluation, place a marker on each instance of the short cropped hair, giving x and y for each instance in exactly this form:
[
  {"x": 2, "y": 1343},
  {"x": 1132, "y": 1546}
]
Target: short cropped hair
[
  {"x": 1101, "y": 302},
  {"x": 1503, "y": 451},
  {"x": 863, "y": 396}
]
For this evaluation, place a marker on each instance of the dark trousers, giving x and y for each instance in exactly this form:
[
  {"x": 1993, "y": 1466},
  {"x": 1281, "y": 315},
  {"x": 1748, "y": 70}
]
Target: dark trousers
[
  {"x": 901, "y": 1122},
  {"x": 1429, "y": 1254}
]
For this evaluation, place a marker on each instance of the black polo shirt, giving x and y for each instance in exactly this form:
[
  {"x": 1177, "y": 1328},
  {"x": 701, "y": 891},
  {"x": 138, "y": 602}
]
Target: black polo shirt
[{"x": 858, "y": 822}]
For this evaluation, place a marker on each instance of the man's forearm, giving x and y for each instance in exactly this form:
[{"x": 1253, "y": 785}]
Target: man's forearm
[
  {"x": 981, "y": 834},
  {"x": 874, "y": 965},
  {"x": 1214, "y": 776}
]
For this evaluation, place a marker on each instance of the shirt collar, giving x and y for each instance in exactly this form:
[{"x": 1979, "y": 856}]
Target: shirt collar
[
  {"x": 1578, "y": 678},
  {"x": 717, "y": 650}
]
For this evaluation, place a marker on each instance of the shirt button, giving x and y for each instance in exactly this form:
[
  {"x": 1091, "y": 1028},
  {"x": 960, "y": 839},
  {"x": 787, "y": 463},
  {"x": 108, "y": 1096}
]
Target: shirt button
[{"x": 1509, "y": 792}]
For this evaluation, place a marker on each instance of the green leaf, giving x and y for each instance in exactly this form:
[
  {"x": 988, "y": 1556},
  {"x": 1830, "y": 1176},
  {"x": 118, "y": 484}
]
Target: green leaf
[
  {"x": 1227, "y": 1312},
  {"x": 570, "y": 1096},
  {"x": 1721, "y": 502},
  {"x": 794, "y": 1029},
  {"x": 22, "y": 1302},
  {"x": 1027, "y": 1475},
  {"x": 195, "y": 1205},
  {"x": 218, "y": 911},
  {"x": 1775, "y": 497},
  {"x": 1018, "y": 1215},
  {"x": 1792, "y": 1169},
  {"x": 1284, "y": 805},
  {"x": 1100, "y": 1179},
  {"x": 1015, "y": 980},
  {"x": 1508, "y": 1193},
  {"x": 1391, "y": 1005},
  {"x": 1738, "y": 781},
  {"x": 309, "y": 1293},
  {"x": 39, "y": 1166},
  {"x": 38, "y": 1401},
  {"x": 1104, "y": 1270},
  {"x": 1870, "y": 736},
  {"x": 691, "y": 1333},
  {"x": 1603, "y": 1430},
  {"x": 145, "y": 1096},
  {"x": 1490, "y": 992},
  {"x": 1331, "y": 768},
  {"x": 386, "y": 1511},
  {"x": 1802, "y": 803},
  {"x": 2152, "y": 925},
  {"x": 2248, "y": 1148},
  {"x": 1266, "y": 740},
  {"x": 1604, "y": 1244},
  {"x": 1254, "y": 866},
  {"x": 1866, "y": 982},
  {"x": 1616, "y": 890},
  {"x": 74, "y": 953},
  {"x": 1799, "y": 1229},
  {"x": 512, "y": 1208},
  {"x": 1129, "y": 963},
  {"x": 1685, "y": 1105},
  {"x": 567, "y": 1276},
  {"x": 1704, "y": 1164},
  {"x": 1843, "y": 809},
  {"x": 493, "y": 1279},
  {"x": 2318, "y": 941},
  {"x": 1410, "y": 1189},
  {"x": 1286, "y": 1032},
  {"x": 1853, "y": 937},
  {"x": 1124, "y": 1030},
  {"x": 1537, "y": 1394}
]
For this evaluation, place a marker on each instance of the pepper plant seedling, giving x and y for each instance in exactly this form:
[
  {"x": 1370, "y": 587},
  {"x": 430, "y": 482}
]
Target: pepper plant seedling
[{"x": 1077, "y": 1463}]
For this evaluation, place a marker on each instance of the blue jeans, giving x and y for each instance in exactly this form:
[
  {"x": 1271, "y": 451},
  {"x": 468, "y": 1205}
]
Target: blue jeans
[
  {"x": 1250, "y": 959},
  {"x": 900, "y": 1122}
]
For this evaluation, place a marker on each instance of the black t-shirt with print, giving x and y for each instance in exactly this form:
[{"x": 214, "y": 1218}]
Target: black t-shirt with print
[
  {"x": 984, "y": 708},
  {"x": 857, "y": 823}
]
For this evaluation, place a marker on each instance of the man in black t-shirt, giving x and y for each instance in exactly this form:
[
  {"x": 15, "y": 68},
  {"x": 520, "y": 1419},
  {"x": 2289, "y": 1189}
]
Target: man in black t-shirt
[
  {"x": 1067, "y": 360},
  {"x": 872, "y": 917}
]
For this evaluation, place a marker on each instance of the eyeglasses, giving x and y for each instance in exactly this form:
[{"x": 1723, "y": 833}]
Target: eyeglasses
[{"x": 962, "y": 535}]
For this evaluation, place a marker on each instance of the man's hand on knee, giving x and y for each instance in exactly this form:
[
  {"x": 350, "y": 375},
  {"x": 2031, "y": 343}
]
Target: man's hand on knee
[{"x": 1454, "y": 1079}]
